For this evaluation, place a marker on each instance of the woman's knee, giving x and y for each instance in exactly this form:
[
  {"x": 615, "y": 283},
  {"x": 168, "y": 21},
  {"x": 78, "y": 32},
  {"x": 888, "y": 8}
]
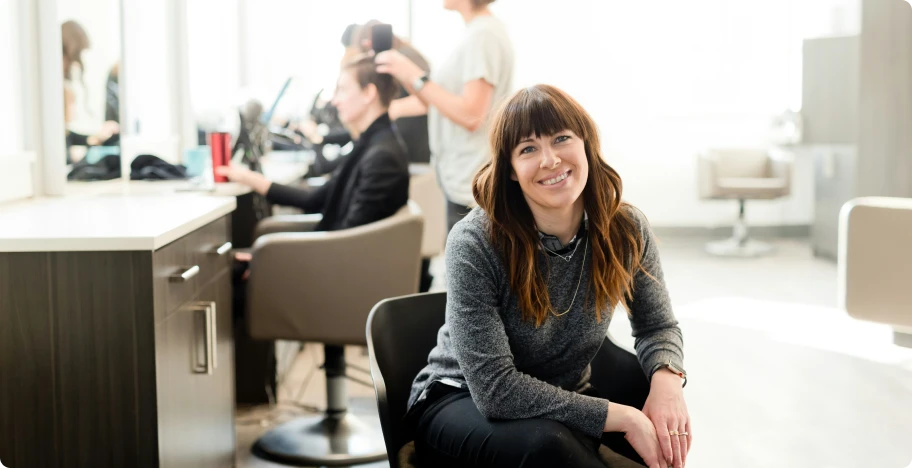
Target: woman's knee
[{"x": 550, "y": 444}]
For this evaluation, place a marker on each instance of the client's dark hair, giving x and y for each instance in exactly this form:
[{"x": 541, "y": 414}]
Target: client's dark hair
[
  {"x": 349, "y": 34},
  {"x": 481, "y": 3},
  {"x": 365, "y": 71}
]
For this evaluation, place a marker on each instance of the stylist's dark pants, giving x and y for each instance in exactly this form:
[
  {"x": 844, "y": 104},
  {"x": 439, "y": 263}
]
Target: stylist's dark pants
[
  {"x": 455, "y": 212},
  {"x": 451, "y": 432}
]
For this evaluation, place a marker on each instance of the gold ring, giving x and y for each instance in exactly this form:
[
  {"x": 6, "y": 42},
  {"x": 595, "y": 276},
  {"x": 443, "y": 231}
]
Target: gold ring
[
  {"x": 683, "y": 434},
  {"x": 674, "y": 433}
]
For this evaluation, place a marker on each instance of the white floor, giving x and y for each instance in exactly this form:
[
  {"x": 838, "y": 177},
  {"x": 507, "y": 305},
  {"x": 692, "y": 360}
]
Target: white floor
[{"x": 779, "y": 377}]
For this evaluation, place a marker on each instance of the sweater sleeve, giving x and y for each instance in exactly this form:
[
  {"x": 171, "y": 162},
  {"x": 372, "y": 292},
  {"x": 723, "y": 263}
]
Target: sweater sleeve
[
  {"x": 483, "y": 351},
  {"x": 658, "y": 339}
]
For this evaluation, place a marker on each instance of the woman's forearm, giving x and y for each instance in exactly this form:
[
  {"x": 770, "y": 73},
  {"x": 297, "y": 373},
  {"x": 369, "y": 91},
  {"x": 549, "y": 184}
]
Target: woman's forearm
[
  {"x": 453, "y": 106},
  {"x": 261, "y": 185},
  {"x": 618, "y": 419},
  {"x": 409, "y": 106}
]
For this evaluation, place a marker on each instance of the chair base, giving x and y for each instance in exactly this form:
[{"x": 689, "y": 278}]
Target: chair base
[
  {"x": 323, "y": 441},
  {"x": 739, "y": 244},
  {"x": 735, "y": 247}
]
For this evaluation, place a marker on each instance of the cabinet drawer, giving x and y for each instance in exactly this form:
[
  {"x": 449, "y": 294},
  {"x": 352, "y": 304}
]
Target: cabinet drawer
[
  {"x": 183, "y": 266},
  {"x": 194, "y": 365}
]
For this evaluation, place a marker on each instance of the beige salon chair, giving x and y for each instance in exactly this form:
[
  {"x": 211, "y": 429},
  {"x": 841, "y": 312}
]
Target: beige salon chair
[
  {"x": 875, "y": 262},
  {"x": 742, "y": 174},
  {"x": 320, "y": 287},
  {"x": 425, "y": 191}
]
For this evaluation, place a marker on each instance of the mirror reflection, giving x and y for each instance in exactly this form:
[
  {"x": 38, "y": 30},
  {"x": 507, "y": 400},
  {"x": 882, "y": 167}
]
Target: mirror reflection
[{"x": 91, "y": 55}]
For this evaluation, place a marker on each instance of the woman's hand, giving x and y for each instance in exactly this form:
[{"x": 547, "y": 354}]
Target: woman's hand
[
  {"x": 108, "y": 129},
  {"x": 245, "y": 176},
  {"x": 666, "y": 409},
  {"x": 398, "y": 65},
  {"x": 638, "y": 431}
]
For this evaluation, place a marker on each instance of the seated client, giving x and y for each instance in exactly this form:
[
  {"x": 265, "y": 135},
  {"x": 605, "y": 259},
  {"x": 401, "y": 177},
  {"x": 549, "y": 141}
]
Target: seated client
[{"x": 373, "y": 182}]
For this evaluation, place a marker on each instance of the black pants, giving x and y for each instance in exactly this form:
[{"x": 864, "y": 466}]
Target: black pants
[
  {"x": 455, "y": 212},
  {"x": 427, "y": 278},
  {"x": 451, "y": 432}
]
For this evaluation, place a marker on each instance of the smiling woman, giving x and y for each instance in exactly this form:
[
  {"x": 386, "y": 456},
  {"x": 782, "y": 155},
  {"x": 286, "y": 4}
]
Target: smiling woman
[{"x": 528, "y": 308}]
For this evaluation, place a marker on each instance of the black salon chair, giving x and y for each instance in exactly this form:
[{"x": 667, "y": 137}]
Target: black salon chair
[{"x": 402, "y": 331}]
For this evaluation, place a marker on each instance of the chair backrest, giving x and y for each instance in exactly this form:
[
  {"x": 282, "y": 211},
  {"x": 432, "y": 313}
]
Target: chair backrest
[
  {"x": 319, "y": 286},
  {"x": 425, "y": 191},
  {"x": 401, "y": 332},
  {"x": 740, "y": 163},
  {"x": 875, "y": 260}
]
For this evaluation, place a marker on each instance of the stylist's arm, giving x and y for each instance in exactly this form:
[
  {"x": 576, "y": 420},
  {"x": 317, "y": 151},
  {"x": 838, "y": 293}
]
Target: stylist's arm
[{"x": 467, "y": 110}]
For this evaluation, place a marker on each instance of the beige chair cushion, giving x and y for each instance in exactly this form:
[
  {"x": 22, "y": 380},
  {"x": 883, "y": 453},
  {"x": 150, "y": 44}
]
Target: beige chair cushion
[
  {"x": 747, "y": 174},
  {"x": 752, "y": 188}
]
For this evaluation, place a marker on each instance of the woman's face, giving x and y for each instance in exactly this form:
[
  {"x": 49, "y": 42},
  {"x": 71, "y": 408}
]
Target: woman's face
[
  {"x": 350, "y": 99},
  {"x": 552, "y": 170}
]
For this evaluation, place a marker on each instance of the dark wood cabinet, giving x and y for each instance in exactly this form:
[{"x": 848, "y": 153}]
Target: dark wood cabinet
[
  {"x": 196, "y": 381},
  {"x": 114, "y": 359}
]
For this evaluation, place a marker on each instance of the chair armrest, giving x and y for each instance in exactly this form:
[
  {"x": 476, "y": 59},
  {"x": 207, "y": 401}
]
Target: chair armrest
[
  {"x": 320, "y": 286},
  {"x": 287, "y": 223},
  {"x": 781, "y": 164},
  {"x": 707, "y": 175},
  {"x": 875, "y": 260}
]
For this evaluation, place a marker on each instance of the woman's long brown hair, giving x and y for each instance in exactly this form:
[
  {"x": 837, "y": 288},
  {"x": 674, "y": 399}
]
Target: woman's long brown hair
[
  {"x": 75, "y": 41},
  {"x": 615, "y": 240}
]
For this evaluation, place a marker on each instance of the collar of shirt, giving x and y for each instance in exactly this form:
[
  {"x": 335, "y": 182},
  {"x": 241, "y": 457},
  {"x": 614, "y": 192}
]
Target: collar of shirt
[{"x": 553, "y": 245}]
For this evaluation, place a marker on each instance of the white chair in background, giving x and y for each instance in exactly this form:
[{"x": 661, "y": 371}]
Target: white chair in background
[{"x": 742, "y": 174}]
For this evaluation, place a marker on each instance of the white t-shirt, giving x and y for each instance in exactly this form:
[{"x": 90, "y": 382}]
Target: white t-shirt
[{"x": 485, "y": 52}]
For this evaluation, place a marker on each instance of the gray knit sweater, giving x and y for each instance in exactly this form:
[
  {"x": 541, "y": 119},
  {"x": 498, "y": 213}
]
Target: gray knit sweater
[{"x": 517, "y": 371}]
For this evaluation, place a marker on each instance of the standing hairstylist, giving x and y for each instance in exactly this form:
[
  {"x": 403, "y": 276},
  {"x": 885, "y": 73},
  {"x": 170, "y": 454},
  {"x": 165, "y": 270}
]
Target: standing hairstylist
[{"x": 457, "y": 98}]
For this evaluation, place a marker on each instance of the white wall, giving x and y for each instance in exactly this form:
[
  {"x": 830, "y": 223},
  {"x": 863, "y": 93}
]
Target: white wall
[
  {"x": 15, "y": 163},
  {"x": 11, "y": 110},
  {"x": 665, "y": 80},
  {"x": 284, "y": 38}
]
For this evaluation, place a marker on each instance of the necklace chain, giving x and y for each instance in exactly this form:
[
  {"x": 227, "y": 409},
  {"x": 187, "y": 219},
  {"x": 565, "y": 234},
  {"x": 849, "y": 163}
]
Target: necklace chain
[
  {"x": 567, "y": 258},
  {"x": 578, "y": 282}
]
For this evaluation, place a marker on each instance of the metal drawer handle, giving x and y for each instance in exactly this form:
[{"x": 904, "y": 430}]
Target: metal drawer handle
[
  {"x": 211, "y": 338},
  {"x": 185, "y": 275},
  {"x": 202, "y": 366},
  {"x": 223, "y": 249}
]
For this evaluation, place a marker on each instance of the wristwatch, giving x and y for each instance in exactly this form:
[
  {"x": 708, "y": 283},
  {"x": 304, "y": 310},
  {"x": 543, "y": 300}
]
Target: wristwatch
[
  {"x": 419, "y": 82},
  {"x": 677, "y": 371}
]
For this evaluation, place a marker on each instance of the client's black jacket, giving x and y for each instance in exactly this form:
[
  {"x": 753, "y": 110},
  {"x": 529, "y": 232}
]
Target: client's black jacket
[{"x": 372, "y": 183}]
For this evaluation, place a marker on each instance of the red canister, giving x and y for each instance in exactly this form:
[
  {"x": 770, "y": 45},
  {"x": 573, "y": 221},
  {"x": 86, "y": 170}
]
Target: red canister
[{"x": 220, "y": 142}]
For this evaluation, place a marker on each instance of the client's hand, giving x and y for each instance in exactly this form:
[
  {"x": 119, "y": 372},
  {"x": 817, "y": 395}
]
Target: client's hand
[
  {"x": 243, "y": 256},
  {"x": 666, "y": 409},
  {"x": 638, "y": 431},
  {"x": 245, "y": 176}
]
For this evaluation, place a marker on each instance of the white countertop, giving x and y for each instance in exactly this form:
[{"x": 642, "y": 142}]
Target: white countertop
[
  {"x": 106, "y": 222},
  {"x": 279, "y": 166}
]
